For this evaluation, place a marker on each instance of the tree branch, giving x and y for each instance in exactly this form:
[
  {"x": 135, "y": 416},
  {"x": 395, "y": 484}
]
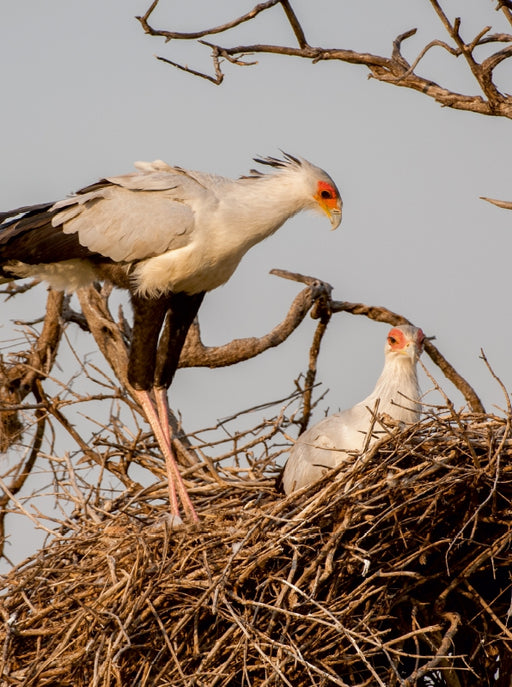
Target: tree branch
[
  {"x": 196, "y": 354},
  {"x": 177, "y": 35},
  {"x": 323, "y": 312},
  {"x": 505, "y": 204},
  {"x": 24, "y": 468},
  {"x": 394, "y": 70},
  {"x": 442, "y": 653}
]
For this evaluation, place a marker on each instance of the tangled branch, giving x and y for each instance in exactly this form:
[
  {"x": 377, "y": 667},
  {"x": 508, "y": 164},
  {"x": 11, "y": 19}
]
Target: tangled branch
[
  {"x": 28, "y": 373},
  {"x": 394, "y": 571},
  {"x": 395, "y": 69}
]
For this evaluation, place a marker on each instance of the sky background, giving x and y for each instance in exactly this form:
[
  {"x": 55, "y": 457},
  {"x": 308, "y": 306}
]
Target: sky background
[{"x": 84, "y": 97}]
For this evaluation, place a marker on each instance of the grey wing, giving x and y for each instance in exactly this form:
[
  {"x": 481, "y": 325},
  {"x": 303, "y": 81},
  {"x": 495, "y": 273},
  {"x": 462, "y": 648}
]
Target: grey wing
[
  {"x": 316, "y": 451},
  {"x": 132, "y": 217}
]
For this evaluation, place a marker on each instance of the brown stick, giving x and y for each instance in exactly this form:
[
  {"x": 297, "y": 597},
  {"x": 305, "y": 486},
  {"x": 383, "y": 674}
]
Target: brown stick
[{"x": 196, "y": 354}]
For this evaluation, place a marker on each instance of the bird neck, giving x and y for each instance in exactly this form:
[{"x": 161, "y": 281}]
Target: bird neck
[
  {"x": 397, "y": 390},
  {"x": 260, "y": 206}
]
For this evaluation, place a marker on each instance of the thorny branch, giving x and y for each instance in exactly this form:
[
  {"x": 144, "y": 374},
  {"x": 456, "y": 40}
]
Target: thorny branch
[{"x": 395, "y": 70}]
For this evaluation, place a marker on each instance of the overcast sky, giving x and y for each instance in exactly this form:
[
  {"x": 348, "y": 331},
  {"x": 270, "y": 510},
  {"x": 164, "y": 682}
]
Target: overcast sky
[{"x": 84, "y": 97}]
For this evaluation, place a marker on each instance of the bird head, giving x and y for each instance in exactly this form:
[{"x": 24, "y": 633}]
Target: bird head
[
  {"x": 405, "y": 340},
  {"x": 319, "y": 190},
  {"x": 329, "y": 200}
]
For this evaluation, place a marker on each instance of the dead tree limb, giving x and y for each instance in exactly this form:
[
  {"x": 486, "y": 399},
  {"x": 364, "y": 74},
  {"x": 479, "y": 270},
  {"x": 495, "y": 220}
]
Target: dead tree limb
[
  {"x": 196, "y": 354},
  {"x": 322, "y": 312},
  {"x": 106, "y": 333},
  {"x": 23, "y": 469},
  {"x": 395, "y": 69},
  {"x": 505, "y": 204},
  {"x": 112, "y": 339}
]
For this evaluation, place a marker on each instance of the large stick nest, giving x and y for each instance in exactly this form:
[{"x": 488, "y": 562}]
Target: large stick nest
[{"x": 395, "y": 571}]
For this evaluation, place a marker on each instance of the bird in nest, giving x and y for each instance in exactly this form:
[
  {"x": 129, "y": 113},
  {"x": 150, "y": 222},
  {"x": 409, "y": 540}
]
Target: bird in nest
[{"x": 335, "y": 438}]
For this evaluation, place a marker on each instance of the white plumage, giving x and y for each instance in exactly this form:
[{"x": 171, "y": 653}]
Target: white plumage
[
  {"x": 176, "y": 230},
  {"x": 167, "y": 235},
  {"x": 330, "y": 442}
]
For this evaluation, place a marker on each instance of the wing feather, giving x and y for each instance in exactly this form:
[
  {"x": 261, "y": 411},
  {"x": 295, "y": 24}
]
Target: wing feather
[
  {"x": 124, "y": 218},
  {"x": 32, "y": 239},
  {"x": 126, "y": 226},
  {"x": 324, "y": 446},
  {"x": 132, "y": 216}
]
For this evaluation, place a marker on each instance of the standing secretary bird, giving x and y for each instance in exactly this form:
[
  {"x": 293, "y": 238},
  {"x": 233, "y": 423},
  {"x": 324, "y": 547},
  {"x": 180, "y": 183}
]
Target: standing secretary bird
[
  {"x": 167, "y": 235},
  {"x": 327, "y": 443}
]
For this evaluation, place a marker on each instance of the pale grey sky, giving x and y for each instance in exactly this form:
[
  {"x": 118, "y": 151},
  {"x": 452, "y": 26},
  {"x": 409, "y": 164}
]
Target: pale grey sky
[{"x": 83, "y": 97}]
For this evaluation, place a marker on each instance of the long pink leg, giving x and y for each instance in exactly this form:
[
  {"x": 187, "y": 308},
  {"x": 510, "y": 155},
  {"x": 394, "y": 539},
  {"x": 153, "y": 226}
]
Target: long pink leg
[
  {"x": 162, "y": 407},
  {"x": 162, "y": 434}
]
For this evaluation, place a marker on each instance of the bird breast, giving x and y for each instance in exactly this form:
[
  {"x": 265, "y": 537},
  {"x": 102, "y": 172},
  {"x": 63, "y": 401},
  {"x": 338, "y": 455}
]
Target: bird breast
[
  {"x": 191, "y": 269},
  {"x": 222, "y": 234}
]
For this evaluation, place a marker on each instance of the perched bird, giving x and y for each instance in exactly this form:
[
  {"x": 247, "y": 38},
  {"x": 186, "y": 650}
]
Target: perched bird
[
  {"x": 167, "y": 235},
  {"x": 327, "y": 444}
]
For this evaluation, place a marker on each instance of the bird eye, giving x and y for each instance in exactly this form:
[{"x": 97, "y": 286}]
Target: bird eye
[
  {"x": 392, "y": 340},
  {"x": 326, "y": 194}
]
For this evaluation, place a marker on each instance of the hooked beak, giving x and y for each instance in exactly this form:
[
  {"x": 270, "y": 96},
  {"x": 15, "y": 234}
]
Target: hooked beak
[
  {"x": 331, "y": 204},
  {"x": 332, "y": 208},
  {"x": 334, "y": 215}
]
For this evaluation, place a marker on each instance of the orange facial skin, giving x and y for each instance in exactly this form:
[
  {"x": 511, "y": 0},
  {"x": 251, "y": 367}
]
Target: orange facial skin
[{"x": 328, "y": 198}]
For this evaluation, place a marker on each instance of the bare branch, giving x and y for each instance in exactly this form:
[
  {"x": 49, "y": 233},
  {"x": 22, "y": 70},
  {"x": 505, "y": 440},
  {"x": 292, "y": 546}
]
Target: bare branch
[
  {"x": 506, "y": 7},
  {"x": 394, "y": 69},
  {"x": 505, "y": 204},
  {"x": 169, "y": 35},
  {"x": 498, "y": 380},
  {"x": 294, "y": 23},
  {"x": 196, "y": 354},
  {"x": 445, "y": 648},
  {"x": 105, "y": 332},
  {"x": 483, "y": 77},
  {"x": 217, "y": 79},
  {"x": 323, "y": 312},
  {"x": 25, "y": 468}
]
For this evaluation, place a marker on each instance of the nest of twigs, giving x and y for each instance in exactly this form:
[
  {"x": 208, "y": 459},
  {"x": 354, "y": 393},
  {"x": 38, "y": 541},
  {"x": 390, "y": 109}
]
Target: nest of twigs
[{"x": 396, "y": 571}]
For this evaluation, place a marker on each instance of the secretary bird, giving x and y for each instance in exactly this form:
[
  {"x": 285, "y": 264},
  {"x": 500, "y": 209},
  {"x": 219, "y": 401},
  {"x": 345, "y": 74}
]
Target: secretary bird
[
  {"x": 167, "y": 235},
  {"x": 329, "y": 442}
]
